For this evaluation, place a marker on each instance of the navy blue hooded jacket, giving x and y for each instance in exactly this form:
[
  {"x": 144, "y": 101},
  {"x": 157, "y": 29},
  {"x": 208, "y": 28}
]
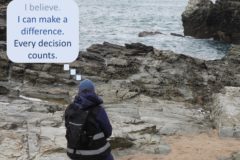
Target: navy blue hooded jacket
[{"x": 89, "y": 100}]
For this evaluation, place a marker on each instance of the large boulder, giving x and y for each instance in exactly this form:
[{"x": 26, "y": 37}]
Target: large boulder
[
  {"x": 195, "y": 18},
  {"x": 203, "y": 19}
]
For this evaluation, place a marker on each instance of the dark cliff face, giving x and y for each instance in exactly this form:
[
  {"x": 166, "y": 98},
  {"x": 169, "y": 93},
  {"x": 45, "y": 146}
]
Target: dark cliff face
[
  {"x": 220, "y": 21},
  {"x": 195, "y": 19},
  {"x": 3, "y": 9}
]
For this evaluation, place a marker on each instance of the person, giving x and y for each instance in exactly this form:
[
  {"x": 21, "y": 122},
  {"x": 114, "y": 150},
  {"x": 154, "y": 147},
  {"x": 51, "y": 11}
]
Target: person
[{"x": 98, "y": 148}]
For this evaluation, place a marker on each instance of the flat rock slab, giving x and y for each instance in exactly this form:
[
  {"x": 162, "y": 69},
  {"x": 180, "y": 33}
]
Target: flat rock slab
[
  {"x": 226, "y": 112},
  {"x": 31, "y": 134},
  {"x": 168, "y": 117}
]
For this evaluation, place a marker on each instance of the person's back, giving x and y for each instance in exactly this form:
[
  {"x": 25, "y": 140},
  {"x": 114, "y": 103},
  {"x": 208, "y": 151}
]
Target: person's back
[{"x": 88, "y": 126}]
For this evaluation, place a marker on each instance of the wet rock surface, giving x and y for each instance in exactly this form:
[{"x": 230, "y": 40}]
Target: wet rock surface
[{"x": 204, "y": 19}]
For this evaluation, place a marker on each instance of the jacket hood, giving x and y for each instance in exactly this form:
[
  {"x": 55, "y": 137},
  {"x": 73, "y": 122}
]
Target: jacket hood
[{"x": 87, "y": 100}]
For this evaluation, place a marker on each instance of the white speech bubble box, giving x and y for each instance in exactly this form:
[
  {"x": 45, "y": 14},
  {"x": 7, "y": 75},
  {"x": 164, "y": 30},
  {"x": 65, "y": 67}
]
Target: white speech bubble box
[{"x": 43, "y": 31}]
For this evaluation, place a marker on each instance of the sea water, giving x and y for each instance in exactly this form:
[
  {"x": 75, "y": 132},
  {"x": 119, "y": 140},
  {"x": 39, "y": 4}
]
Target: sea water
[{"x": 120, "y": 21}]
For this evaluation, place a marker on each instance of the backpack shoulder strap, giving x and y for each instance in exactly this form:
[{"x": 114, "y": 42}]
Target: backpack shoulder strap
[{"x": 68, "y": 112}]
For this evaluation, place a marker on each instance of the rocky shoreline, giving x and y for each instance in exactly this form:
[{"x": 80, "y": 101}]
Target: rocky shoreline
[{"x": 149, "y": 95}]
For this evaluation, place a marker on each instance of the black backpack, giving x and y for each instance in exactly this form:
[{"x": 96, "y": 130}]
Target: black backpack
[
  {"x": 81, "y": 126},
  {"x": 75, "y": 122}
]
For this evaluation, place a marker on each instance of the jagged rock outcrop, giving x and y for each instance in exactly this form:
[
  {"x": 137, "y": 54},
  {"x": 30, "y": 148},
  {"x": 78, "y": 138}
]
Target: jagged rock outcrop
[
  {"x": 163, "y": 73},
  {"x": 195, "y": 18},
  {"x": 148, "y": 93},
  {"x": 144, "y": 70},
  {"x": 203, "y": 19}
]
